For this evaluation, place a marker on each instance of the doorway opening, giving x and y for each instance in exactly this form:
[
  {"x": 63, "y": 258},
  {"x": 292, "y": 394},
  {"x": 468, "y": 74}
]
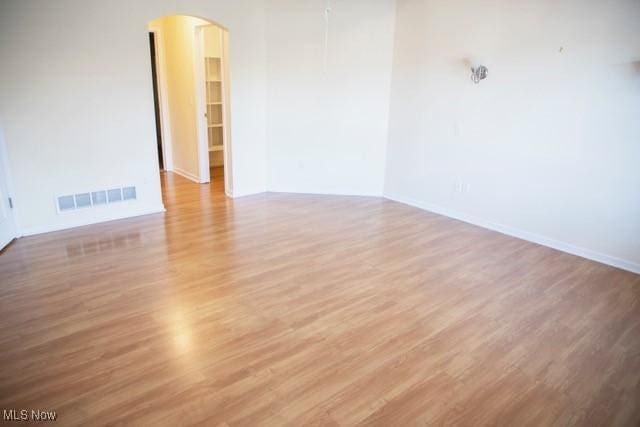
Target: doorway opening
[{"x": 189, "y": 67}]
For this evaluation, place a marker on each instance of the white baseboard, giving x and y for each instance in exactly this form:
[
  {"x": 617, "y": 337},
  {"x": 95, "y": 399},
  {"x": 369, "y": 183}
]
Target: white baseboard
[
  {"x": 237, "y": 194},
  {"x": 325, "y": 193},
  {"x": 521, "y": 234},
  {"x": 185, "y": 174},
  {"x": 102, "y": 217}
]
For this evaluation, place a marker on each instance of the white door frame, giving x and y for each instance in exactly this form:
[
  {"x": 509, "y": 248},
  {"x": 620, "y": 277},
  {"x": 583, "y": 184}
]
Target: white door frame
[
  {"x": 226, "y": 113},
  {"x": 201, "y": 119},
  {"x": 8, "y": 223},
  {"x": 165, "y": 124}
]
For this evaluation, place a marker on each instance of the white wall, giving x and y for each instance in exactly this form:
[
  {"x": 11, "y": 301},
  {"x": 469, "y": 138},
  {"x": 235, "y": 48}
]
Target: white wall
[
  {"x": 548, "y": 147},
  {"x": 77, "y": 103},
  {"x": 327, "y": 132}
]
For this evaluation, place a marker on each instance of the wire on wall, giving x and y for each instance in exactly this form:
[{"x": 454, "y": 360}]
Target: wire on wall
[{"x": 327, "y": 14}]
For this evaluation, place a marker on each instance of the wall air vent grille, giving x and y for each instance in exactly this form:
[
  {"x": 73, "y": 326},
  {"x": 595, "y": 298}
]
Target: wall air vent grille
[
  {"x": 66, "y": 203},
  {"x": 94, "y": 199},
  {"x": 129, "y": 193},
  {"x": 83, "y": 200},
  {"x": 99, "y": 197},
  {"x": 115, "y": 195}
]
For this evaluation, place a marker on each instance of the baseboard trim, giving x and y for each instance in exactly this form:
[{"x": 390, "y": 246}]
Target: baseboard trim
[
  {"x": 185, "y": 174},
  {"x": 520, "y": 234},
  {"x": 31, "y": 231},
  {"x": 236, "y": 194},
  {"x": 325, "y": 193}
]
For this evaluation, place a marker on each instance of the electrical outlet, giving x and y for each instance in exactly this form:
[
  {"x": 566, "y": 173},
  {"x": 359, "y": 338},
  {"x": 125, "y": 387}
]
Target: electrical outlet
[{"x": 456, "y": 129}]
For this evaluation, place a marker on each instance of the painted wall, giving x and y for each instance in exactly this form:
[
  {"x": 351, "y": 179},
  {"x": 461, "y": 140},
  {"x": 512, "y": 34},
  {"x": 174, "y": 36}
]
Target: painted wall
[
  {"x": 212, "y": 43},
  {"x": 548, "y": 147},
  {"x": 77, "y": 102},
  {"x": 327, "y": 130}
]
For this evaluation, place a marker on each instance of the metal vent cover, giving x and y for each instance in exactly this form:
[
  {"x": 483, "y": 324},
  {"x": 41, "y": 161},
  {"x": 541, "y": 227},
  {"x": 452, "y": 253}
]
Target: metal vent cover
[{"x": 71, "y": 202}]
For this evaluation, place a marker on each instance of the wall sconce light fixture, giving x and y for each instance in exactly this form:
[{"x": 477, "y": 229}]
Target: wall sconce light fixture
[{"x": 478, "y": 73}]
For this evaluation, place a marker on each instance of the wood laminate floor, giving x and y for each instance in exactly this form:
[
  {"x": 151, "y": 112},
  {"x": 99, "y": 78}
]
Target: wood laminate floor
[{"x": 281, "y": 309}]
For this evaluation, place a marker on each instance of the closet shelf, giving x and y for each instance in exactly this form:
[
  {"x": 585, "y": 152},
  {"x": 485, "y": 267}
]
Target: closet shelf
[{"x": 214, "y": 106}]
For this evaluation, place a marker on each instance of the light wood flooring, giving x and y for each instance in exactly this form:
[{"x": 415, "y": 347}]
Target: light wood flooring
[{"x": 282, "y": 309}]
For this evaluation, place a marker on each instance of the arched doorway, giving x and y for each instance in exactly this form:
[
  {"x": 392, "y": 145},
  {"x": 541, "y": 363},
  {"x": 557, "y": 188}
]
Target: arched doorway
[{"x": 189, "y": 57}]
